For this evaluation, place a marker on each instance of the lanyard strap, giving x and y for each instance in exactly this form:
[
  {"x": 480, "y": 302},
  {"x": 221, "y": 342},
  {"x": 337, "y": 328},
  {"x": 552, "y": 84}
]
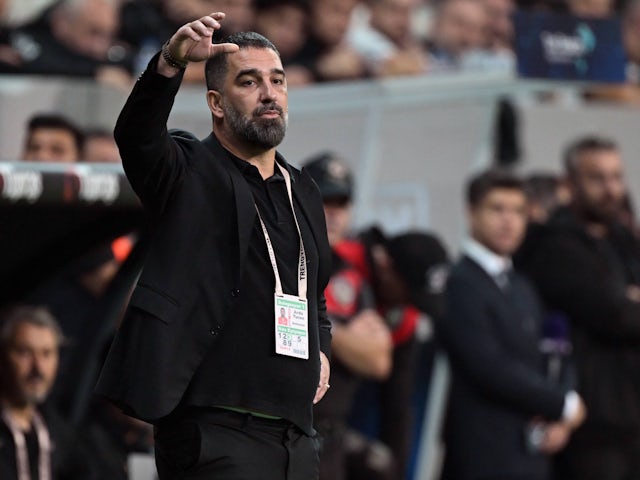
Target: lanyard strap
[
  {"x": 302, "y": 262},
  {"x": 22, "y": 454}
]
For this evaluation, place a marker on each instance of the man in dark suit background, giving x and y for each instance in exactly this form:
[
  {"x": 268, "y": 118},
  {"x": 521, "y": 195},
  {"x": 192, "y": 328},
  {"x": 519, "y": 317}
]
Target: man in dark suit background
[
  {"x": 586, "y": 265},
  {"x": 237, "y": 233},
  {"x": 504, "y": 415}
]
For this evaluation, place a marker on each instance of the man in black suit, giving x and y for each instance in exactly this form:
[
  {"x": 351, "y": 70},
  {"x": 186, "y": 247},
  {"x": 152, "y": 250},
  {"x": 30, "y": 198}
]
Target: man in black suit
[
  {"x": 237, "y": 233},
  {"x": 504, "y": 415},
  {"x": 586, "y": 265}
]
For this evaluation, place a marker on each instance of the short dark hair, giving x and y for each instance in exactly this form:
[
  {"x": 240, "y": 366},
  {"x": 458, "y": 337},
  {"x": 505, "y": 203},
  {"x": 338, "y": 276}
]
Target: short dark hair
[
  {"x": 217, "y": 66},
  {"x": 582, "y": 145},
  {"x": 480, "y": 185},
  {"x": 57, "y": 122},
  {"x": 540, "y": 186}
]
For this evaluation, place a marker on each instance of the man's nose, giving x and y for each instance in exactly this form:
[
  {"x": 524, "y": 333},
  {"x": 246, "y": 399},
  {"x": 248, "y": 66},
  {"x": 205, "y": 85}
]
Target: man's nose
[{"x": 267, "y": 92}]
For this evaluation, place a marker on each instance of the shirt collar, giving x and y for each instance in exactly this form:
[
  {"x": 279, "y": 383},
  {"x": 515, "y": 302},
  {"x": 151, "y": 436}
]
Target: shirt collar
[
  {"x": 248, "y": 169},
  {"x": 489, "y": 261}
]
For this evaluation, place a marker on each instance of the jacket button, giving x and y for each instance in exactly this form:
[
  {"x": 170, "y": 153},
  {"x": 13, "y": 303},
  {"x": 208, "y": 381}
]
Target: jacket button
[{"x": 235, "y": 292}]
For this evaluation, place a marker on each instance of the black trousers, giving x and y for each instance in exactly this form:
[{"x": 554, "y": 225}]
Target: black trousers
[{"x": 217, "y": 444}]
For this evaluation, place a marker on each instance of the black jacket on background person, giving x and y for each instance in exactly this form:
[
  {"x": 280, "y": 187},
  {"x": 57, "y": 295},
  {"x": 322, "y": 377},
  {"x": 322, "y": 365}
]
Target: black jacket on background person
[
  {"x": 42, "y": 54},
  {"x": 70, "y": 460},
  {"x": 202, "y": 215},
  {"x": 498, "y": 381},
  {"x": 586, "y": 278}
]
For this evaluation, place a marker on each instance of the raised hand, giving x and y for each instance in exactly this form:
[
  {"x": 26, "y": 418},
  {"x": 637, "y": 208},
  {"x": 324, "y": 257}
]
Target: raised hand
[{"x": 192, "y": 41}]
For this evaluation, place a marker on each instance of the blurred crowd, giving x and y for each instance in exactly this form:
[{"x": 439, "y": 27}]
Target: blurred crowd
[
  {"x": 319, "y": 40},
  {"x": 539, "y": 314}
]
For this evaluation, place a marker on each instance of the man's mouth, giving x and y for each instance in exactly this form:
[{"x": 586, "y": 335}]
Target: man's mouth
[{"x": 269, "y": 111}]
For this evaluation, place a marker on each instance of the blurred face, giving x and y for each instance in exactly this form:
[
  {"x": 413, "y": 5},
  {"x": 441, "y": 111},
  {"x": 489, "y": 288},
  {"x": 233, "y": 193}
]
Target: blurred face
[
  {"x": 500, "y": 26},
  {"x": 101, "y": 149},
  {"x": 499, "y": 221},
  {"x": 240, "y": 15},
  {"x": 591, "y": 8},
  {"x": 330, "y": 19},
  {"x": 90, "y": 29},
  {"x": 631, "y": 32},
  {"x": 31, "y": 363},
  {"x": 598, "y": 188},
  {"x": 255, "y": 100},
  {"x": 51, "y": 145},
  {"x": 337, "y": 213},
  {"x": 461, "y": 26},
  {"x": 393, "y": 18},
  {"x": 285, "y": 26}
]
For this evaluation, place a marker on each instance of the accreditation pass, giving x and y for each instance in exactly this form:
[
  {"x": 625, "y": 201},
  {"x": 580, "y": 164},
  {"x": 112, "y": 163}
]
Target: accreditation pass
[{"x": 292, "y": 326}]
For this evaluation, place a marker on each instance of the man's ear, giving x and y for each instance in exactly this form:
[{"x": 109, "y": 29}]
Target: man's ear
[{"x": 214, "y": 100}]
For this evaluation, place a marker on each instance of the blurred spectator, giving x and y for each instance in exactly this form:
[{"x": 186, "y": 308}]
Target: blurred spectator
[
  {"x": 100, "y": 147},
  {"x": 361, "y": 344},
  {"x": 285, "y": 23},
  {"x": 75, "y": 297},
  {"x": 407, "y": 272},
  {"x": 21, "y": 12},
  {"x": 504, "y": 414},
  {"x": 386, "y": 41},
  {"x": 591, "y": 8},
  {"x": 459, "y": 29},
  {"x": 500, "y": 26},
  {"x": 240, "y": 15},
  {"x": 628, "y": 92},
  {"x": 631, "y": 38},
  {"x": 545, "y": 193},
  {"x": 326, "y": 55},
  {"x": 35, "y": 442},
  {"x": 8, "y": 55},
  {"x": 78, "y": 39},
  {"x": 147, "y": 24},
  {"x": 52, "y": 138},
  {"x": 587, "y": 266}
]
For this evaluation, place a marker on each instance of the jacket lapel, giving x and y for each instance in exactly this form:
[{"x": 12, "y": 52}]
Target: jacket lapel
[
  {"x": 245, "y": 210},
  {"x": 309, "y": 201}
]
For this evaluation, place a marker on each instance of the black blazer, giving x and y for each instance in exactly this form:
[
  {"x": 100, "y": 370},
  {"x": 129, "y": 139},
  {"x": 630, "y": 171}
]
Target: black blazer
[
  {"x": 201, "y": 213},
  {"x": 498, "y": 383}
]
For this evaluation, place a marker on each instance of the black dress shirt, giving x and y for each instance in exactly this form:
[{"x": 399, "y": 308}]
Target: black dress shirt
[{"x": 244, "y": 360}]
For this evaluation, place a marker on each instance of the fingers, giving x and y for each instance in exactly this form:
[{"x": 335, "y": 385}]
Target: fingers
[
  {"x": 224, "y": 48},
  {"x": 323, "y": 384},
  {"x": 199, "y": 29},
  {"x": 192, "y": 42}
]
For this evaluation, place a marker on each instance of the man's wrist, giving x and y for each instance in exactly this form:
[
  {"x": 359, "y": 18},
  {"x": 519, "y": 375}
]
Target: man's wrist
[{"x": 171, "y": 60}]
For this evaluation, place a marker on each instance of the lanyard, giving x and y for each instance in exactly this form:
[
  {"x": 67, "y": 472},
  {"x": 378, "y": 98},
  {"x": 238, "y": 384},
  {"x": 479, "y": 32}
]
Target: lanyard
[
  {"x": 302, "y": 262},
  {"x": 22, "y": 455}
]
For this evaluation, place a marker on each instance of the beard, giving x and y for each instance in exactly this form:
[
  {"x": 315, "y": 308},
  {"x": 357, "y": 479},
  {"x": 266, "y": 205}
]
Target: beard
[
  {"x": 606, "y": 211},
  {"x": 260, "y": 132}
]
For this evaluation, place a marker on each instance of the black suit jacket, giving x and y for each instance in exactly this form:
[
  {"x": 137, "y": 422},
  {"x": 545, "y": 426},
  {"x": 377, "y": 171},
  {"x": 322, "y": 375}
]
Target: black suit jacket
[
  {"x": 201, "y": 213},
  {"x": 585, "y": 278},
  {"x": 498, "y": 385}
]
